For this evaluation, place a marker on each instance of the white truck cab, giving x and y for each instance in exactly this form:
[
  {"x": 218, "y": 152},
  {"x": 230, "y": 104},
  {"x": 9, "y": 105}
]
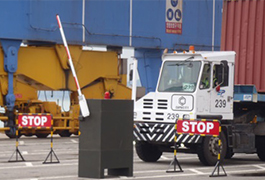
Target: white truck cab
[
  {"x": 188, "y": 88},
  {"x": 191, "y": 85}
]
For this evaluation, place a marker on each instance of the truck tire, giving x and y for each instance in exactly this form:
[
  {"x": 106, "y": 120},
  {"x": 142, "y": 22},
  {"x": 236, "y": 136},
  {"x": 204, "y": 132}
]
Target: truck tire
[
  {"x": 42, "y": 135},
  {"x": 208, "y": 150},
  {"x": 12, "y": 133},
  {"x": 65, "y": 133},
  {"x": 147, "y": 152},
  {"x": 229, "y": 153},
  {"x": 260, "y": 144}
]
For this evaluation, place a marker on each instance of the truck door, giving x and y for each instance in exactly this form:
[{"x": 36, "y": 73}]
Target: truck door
[
  {"x": 222, "y": 91},
  {"x": 203, "y": 101}
]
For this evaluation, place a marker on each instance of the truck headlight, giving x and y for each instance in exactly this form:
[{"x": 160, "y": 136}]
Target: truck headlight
[
  {"x": 134, "y": 115},
  {"x": 186, "y": 116}
]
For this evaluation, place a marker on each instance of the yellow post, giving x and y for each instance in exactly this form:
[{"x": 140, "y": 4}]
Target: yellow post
[{"x": 52, "y": 134}]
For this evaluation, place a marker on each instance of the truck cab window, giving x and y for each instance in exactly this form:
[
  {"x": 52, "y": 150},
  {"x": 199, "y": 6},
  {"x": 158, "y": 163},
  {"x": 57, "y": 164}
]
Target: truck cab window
[
  {"x": 220, "y": 75},
  {"x": 205, "y": 78},
  {"x": 179, "y": 76}
]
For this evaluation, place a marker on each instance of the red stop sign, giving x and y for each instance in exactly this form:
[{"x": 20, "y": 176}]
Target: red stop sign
[
  {"x": 34, "y": 120},
  {"x": 198, "y": 127}
]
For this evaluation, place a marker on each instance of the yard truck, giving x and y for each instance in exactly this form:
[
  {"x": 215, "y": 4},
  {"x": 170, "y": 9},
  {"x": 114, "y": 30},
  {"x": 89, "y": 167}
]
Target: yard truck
[{"x": 194, "y": 86}]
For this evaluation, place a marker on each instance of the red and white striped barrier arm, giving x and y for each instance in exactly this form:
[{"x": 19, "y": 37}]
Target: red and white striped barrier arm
[{"x": 82, "y": 100}]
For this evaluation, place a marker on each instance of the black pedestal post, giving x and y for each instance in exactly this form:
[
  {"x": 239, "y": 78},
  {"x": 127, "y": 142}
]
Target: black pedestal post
[{"x": 106, "y": 139}]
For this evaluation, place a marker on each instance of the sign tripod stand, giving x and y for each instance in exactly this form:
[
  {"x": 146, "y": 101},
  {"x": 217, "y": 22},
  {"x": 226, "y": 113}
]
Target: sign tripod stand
[
  {"x": 51, "y": 153},
  {"x": 17, "y": 152},
  {"x": 209, "y": 127},
  {"x": 175, "y": 161},
  {"x": 218, "y": 163}
]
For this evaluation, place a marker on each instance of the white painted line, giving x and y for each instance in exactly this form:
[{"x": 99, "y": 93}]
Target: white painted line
[
  {"x": 38, "y": 166},
  {"x": 148, "y": 171},
  {"x": 196, "y": 171},
  {"x": 124, "y": 177},
  {"x": 164, "y": 157},
  {"x": 161, "y": 176},
  {"x": 143, "y": 177},
  {"x": 7, "y": 144},
  {"x": 244, "y": 171},
  {"x": 74, "y": 141},
  {"x": 179, "y": 158},
  {"x": 258, "y": 166},
  {"x": 24, "y": 152},
  {"x": 56, "y": 150},
  {"x": 53, "y": 177},
  {"x": 21, "y": 142},
  {"x": 148, "y": 177},
  {"x": 29, "y": 164}
]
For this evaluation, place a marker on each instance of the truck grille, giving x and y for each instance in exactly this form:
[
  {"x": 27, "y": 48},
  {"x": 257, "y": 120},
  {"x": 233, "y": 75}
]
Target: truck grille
[
  {"x": 146, "y": 116},
  {"x": 161, "y": 104},
  {"x": 148, "y": 103},
  {"x": 159, "y": 116}
]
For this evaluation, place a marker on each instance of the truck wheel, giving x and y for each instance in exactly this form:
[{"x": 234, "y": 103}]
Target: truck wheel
[
  {"x": 229, "y": 153},
  {"x": 260, "y": 143},
  {"x": 147, "y": 152},
  {"x": 12, "y": 133},
  {"x": 208, "y": 150},
  {"x": 65, "y": 133},
  {"x": 42, "y": 135}
]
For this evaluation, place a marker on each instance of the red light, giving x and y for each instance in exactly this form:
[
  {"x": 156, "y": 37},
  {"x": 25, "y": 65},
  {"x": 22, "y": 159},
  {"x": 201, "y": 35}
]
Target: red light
[{"x": 107, "y": 95}]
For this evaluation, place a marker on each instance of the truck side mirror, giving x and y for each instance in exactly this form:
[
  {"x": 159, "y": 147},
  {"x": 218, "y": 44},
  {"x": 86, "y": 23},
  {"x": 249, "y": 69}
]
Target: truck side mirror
[
  {"x": 224, "y": 64},
  {"x": 222, "y": 74}
]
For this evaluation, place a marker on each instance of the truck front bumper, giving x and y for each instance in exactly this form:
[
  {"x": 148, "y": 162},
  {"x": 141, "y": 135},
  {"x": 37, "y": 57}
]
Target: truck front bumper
[{"x": 162, "y": 133}]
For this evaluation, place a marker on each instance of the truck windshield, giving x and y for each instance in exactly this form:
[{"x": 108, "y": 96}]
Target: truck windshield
[{"x": 180, "y": 76}]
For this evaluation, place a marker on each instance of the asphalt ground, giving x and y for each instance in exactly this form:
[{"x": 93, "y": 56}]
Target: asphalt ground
[{"x": 35, "y": 151}]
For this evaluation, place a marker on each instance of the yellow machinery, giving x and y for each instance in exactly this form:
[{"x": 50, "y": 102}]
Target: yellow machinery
[{"x": 46, "y": 68}]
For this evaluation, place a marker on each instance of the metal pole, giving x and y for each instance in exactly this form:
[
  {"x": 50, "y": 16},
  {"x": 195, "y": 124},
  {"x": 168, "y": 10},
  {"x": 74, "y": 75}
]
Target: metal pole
[
  {"x": 83, "y": 20},
  {"x": 213, "y": 27},
  {"x": 130, "y": 39}
]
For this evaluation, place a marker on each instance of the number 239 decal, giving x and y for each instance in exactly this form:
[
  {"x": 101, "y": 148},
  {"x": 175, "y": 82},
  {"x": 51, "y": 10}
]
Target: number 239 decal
[
  {"x": 172, "y": 116},
  {"x": 220, "y": 103}
]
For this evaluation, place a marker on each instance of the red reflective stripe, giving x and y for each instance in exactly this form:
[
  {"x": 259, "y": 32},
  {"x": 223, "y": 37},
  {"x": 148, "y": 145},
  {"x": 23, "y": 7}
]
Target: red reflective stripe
[
  {"x": 57, "y": 17},
  {"x": 76, "y": 83}
]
